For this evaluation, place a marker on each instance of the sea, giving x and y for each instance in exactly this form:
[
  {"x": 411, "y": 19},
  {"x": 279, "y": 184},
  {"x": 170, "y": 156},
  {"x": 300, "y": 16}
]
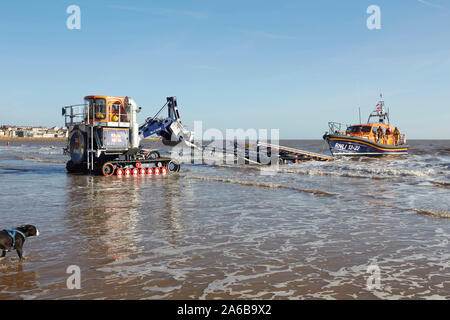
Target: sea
[{"x": 352, "y": 228}]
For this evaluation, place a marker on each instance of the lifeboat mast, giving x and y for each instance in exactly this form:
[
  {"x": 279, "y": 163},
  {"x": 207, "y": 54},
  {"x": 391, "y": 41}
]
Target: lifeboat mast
[{"x": 380, "y": 112}]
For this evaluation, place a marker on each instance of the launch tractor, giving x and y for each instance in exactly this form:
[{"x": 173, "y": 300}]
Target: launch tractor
[{"x": 105, "y": 138}]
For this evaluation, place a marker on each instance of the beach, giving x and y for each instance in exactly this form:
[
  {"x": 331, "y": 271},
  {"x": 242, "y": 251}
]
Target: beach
[{"x": 223, "y": 231}]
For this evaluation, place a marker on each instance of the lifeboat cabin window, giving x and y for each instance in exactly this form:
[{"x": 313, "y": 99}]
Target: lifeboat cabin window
[
  {"x": 366, "y": 129},
  {"x": 355, "y": 129}
]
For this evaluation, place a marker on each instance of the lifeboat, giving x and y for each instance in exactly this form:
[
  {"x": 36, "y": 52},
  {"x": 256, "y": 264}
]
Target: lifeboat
[{"x": 376, "y": 137}]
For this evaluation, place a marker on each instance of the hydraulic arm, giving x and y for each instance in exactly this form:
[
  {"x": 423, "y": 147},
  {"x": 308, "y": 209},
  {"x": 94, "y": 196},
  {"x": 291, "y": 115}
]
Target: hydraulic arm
[{"x": 170, "y": 129}]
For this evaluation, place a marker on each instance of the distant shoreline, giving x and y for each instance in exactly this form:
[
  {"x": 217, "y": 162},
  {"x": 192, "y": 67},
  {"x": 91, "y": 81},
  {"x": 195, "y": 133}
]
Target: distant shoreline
[{"x": 3, "y": 138}]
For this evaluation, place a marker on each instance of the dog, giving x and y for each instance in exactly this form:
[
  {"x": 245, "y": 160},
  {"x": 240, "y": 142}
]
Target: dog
[{"x": 15, "y": 238}]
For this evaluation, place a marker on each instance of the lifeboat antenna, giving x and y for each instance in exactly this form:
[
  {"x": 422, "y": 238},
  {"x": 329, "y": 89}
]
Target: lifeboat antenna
[{"x": 359, "y": 109}]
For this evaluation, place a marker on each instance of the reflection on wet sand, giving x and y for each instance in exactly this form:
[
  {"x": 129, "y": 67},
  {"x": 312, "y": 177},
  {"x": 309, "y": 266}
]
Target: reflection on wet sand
[
  {"x": 104, "y": 212},
  {"x": 110, "y": 220},
  {"x": 13, "y": 278},
  {"x": 171, "y": 203}
]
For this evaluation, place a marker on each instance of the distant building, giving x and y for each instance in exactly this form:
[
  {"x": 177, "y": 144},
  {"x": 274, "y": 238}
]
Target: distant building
[{"x": 36, "y": 132}]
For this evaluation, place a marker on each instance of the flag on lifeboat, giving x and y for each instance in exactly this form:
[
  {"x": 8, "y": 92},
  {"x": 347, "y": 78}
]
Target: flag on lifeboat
[{"x": 380, "y": 108}]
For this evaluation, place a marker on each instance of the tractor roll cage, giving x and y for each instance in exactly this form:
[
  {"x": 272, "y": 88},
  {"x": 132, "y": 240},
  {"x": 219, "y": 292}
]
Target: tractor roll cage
[{"x": 82, "y": 114}]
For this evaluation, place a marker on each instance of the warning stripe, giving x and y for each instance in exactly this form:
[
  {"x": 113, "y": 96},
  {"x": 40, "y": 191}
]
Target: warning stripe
[{"x": 370, "y": 145}]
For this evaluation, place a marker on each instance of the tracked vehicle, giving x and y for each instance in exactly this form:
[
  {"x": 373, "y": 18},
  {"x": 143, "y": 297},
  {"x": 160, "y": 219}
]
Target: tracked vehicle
[{"x": 104, "y": 137}]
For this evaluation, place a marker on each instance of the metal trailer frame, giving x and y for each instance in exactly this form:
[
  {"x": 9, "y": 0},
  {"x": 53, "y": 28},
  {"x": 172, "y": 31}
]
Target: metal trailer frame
[{"x": 283, "y": 155}]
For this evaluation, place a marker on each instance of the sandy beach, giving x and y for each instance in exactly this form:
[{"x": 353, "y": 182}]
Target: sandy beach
[
  {"x": 3, "y": 138},
  {"x": 218, "y": 231}
]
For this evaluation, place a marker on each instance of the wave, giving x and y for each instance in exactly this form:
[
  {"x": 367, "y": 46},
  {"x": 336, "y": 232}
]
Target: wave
[
  {"x": 48, "y": 148},
  {"x": 36, "y": 159},
  {"x": 435, "y": 213},
  {"x": 48, "y": 151},
  {"x": 327, "y": 170},
  {"x": 261, "y": 184},
  {"x": 443, "y": 151},
  {"x": 441, "y": 183},
  {"x": 314, "y": 172},
  {"x": 13, "y": 168},
  {"x": 377, "y": 173}
]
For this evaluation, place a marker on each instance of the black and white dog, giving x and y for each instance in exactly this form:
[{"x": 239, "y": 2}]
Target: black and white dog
[{"x": 11, "y": 239}]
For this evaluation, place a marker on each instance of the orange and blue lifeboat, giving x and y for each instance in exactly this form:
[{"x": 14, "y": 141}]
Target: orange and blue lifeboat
[{"x": 372, "y": 138}]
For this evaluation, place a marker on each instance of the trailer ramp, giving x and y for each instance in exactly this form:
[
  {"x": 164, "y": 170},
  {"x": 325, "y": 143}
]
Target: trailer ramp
[{"x": 288, "y": 153}]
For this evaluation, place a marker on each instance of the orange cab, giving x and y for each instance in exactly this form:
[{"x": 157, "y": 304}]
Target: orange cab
[{"x": 105, "y": 109}]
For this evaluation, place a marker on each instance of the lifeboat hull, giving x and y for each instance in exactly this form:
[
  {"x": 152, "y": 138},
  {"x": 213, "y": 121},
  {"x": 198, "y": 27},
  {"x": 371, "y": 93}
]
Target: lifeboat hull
[{"x": 353, "y": 146}]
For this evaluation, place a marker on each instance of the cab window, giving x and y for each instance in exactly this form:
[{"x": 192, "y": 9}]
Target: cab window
[
  {"x": 366, "y": 129},
  {"x": 118, "y": 109},
  {"x": 100, "y": 109},
  {"x": 115, "y": 107},
  {"x": 96, "y": 108}
]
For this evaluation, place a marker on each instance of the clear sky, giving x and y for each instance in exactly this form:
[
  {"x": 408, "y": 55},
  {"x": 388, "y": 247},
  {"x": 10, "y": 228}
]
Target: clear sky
[{"x": 289, "y": 65}]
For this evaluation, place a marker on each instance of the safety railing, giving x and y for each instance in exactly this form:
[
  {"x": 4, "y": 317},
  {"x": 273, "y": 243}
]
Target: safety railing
[
  {"x": 80, "y": 113},
  {"x": 402, "y": 139},
  {"x": 74, "y": 114},
  {"x": 337, "y": 128}
]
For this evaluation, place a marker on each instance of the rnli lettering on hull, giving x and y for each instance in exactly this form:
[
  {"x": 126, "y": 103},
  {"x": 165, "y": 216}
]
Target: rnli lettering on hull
[{"x": 346, "y": 147}]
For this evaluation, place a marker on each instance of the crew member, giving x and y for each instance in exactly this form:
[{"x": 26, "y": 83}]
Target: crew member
[
  {"x": 99, "y": 115},
  {"x": 396, "y": 135},
  {"x": 379, "y": 134},
  {"x": 388, "y": 133}
]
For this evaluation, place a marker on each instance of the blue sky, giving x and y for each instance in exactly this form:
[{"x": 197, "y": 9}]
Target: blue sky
[{"x": 290, "y": 65}]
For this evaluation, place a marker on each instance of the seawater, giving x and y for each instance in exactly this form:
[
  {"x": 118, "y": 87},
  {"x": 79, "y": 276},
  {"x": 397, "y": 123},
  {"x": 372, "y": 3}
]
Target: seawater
[{"x": 227, "y": 231}]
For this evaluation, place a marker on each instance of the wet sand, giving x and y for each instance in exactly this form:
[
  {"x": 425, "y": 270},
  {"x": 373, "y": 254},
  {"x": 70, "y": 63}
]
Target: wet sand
[{"x": 227, "y": 232}]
